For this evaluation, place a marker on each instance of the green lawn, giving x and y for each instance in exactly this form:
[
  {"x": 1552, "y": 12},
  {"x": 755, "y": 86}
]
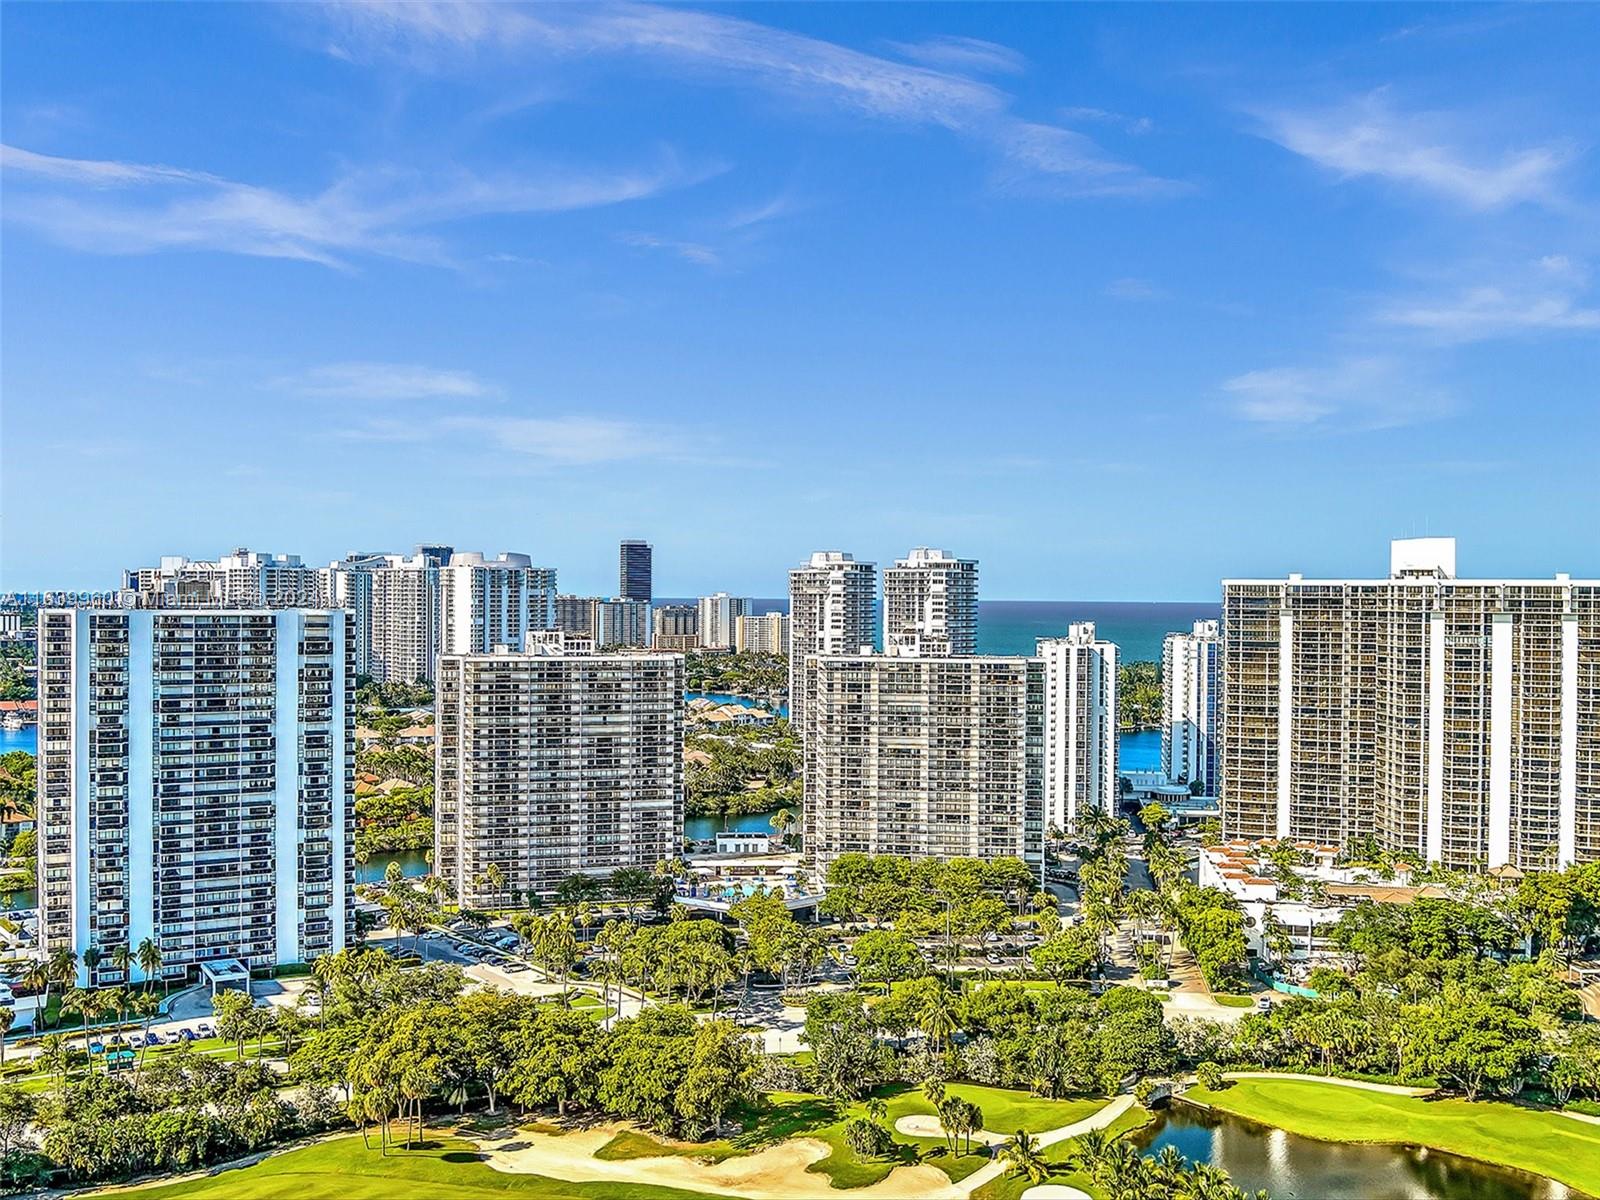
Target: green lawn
[
  {"x": 1011, "y": 1187},
  {"x": 1544, "y": 1143},
  {"x": 344, "y": 1169},
  {"x": 1228, "y": 1001}
]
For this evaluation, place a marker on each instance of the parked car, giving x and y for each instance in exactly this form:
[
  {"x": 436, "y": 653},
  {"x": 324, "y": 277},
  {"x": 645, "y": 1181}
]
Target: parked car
[
  {"x": 96, "y": 1048},
  {"x": 136, "y": 1040},
  {"x": 1264, "y": 1003},
  {"x": 205, "y": 1029},
  {"x": 154, "y": 1039},
  {"x": 187, "y": 1035},
  {"x": 992, "y": 959}
]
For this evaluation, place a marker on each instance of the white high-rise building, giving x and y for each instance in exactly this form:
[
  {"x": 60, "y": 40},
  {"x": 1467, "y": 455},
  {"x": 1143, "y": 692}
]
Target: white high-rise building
[
  {"x": 490, "y": 602},
  {"x": 405, "y": 638},
  {"x": 1080, "y": 725},
  {"x": 405, "y": 619},
  {"x": 717, "y": 616},
  {"x": 930, "y": 602},
  {"x": 831, "y": 611},
  {"x": 347, "y": 583},
  {"x": 766, "y": 634},
  {"x": 1454, "y": 719},
  {"x": 196, "y": 776},
  {"x": 1189, "y": 706},
  {"x": 244, "y": 577},
  {"x": 552, "y": 763},
  {"x": 937, "y": 757}
]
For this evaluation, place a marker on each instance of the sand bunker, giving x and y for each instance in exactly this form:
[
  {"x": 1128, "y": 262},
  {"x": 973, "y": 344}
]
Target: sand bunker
[
  {"x": 776, "y": 1173},
  {"x": 922, "y": 1125}
]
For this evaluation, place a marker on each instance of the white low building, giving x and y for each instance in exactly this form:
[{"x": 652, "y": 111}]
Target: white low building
[{"x": 1307, "y": 903}]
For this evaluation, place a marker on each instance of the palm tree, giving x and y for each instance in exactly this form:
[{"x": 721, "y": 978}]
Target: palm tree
[
  {"x": 971, "y": 1122},
  {"x": 91, "y": 960},
  {"x": 53, "y": 1058},
  {"x": 1171, "y": 1167},
  {"x": 144, "y": 1006},
  {"x": 493, "y": 879},
  {"x": 149, "y": 958},
  {"x": 933, "y": 1090},
  {"x": 8, "y": 1018},
  {"x": 63, "y": 969},
  {"x": 37, "y": 980},
  {"x": 325, "y": 971},
  {"x": 938, "y": 1017},
  {"x": 1089, "y": 1150},
  {"x": 377, "y": 1103},
  {"x": 782, "y": 821},
  {"x": 73, "y": 1002},
  {"x": 122, "y": 960},
  {"x": 1022, "y": 1154}
]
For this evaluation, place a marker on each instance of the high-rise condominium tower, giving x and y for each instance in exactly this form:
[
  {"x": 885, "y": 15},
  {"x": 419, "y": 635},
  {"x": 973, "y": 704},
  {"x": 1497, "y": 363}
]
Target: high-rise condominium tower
[
  {"x": 1080, "y": 725},
  {"x": 766, "y": 634},
  {"x": 240, "y": 578},
  {"x": 1189, "y": 706},
  {"x": 607, "y": 624},
  {"x": 633, "y": 571},
  {"x": 930, "y": 601},
  {"x": 926, "y": 757},
  {"x": 196, "y": 775},
  {"x": 1454, "y": 719},
  {"x": 831, "y": 601},
  {"x": 395, "y": 620},
  {"x": 347, "y": 584},
  {"x": 405, "y": 619},
  {"x": 676, "y": 627},
  {"x": 717, "y": 616},
  {"x": 490, "y": 602},
  {"x": 552, "y": 763}
]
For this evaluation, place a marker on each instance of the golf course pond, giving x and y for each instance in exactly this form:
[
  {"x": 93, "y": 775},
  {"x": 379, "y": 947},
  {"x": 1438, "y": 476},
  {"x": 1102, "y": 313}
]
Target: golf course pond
[{"x": 1291, "y": 1167}]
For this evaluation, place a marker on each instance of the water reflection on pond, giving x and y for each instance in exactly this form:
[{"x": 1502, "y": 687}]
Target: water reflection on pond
[{"x": 1298, "y": 1168}]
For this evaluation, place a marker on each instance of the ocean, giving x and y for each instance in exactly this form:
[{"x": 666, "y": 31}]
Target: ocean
[{"x": 1011, "y": 626}]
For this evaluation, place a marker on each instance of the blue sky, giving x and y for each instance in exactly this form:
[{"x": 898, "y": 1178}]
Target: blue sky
[{"x": 1118, "y": 300}]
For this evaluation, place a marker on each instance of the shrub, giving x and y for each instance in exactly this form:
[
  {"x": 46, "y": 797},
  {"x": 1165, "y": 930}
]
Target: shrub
[{"x": 1209, "y": 1076}]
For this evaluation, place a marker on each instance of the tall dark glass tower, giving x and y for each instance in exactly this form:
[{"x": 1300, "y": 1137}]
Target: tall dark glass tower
[{"x": 633, "y": 571}]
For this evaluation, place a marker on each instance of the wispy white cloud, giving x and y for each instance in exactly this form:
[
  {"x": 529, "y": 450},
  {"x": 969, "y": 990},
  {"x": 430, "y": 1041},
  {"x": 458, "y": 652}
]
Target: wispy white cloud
[
  {"x": 114, "y": 207},
  {"x": 385, "y": 381},
  {"x": 1428, "y": 151},
  {"x": 579, "y": 441},
  {"x": 1100, "y": 116},
  {"x": 964, "y": 54},
  {"x": 1134, "y": 289},
  {"x": 1356, "y": 394},
  {"x": 1546, "y": 297},
  {"x": 1050, "y": 160},
  {"x": 562, "y": 441},
  {"x": 695, "y": 252},
  {"x": 731, "y": 49}
]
